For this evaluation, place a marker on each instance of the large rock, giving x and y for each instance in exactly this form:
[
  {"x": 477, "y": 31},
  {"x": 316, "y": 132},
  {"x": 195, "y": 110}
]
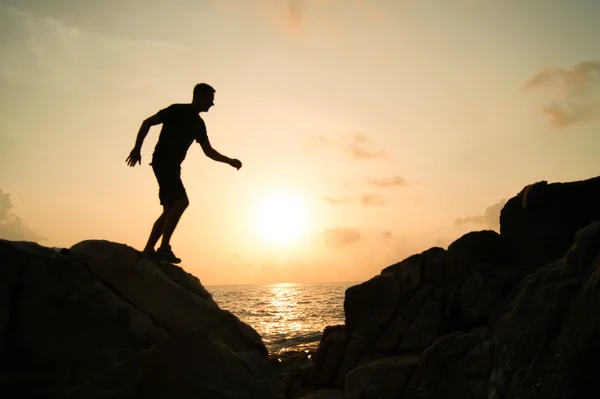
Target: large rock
[
  {"x": 384, "y": 378},
  {"x": 189, "y": 365},
  {"x": 146, "y": 284},
  {"x": 541, "y": 221},
  {"x": 547, "y": 337},
  {"x": 495, "y": 316},
  {"x": 65, "y": 318},
  {"x": 442, "y": 372}
]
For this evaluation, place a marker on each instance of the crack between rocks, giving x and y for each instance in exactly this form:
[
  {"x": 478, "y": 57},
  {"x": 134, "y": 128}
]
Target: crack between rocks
[{"x": 86, "y": 266}]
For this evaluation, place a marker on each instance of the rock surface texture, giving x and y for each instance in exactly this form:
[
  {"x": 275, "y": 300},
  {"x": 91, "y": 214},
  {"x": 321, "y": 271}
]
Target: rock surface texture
[
  {"x": 495, "y": 315},
  {"x": 98, "y": 321}
]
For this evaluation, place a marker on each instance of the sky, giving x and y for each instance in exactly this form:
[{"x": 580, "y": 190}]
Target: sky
[{"x": 368, "y": 130}]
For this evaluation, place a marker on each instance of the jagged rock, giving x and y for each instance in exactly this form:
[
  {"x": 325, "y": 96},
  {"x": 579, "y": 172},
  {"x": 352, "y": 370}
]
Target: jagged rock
[
  {"x": 385, "y": 378},
  {"x": 145, "y": 284},
  {"x": 191, "y": 364},
  {"x": 327, "y": 359},
  {"x": 482, "y": 292},
  {"x": 370, "y": 305},
  {"x": 69, "y": 316},
  {"x": 495, "y": 316},
  {"x": 426, "y": 267},
  {"x": 547, "y": 337},
  {"x": 541, "y": 221},
  {"x": 437, "y": 375},
  {"x": 325, "y": 394},
  {"x": 391, "y": 340},
  {"x": 473, "y": 248}
]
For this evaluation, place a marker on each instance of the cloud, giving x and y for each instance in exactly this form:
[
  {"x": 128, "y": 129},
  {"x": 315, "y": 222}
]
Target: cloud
[
  {"x": 365, "y": 200},
  {"x": 560, "y": 116},
  {"x": 395, "y": 181},
  {"x": 387, "y": 235},
  {"x": 298, "y": 14},
  {"x": 337, "y": 201},
  {"x": 372, "y": 200},
  {"x": 11, "y": 225},
  {"x": 489, "y": 220},
  {"x": 573, "y": 93},
  {"x": 357, "y": 146},
  {"x": 342, "y": 237},
  {"x": 49, "y": 50},
  {"x": 358, "y": 149},
  {"x": 575, "y": 79}
]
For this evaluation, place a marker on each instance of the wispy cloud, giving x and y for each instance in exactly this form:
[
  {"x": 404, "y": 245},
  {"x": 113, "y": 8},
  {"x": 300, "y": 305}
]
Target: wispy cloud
[
  {"x": 342, "y": 236},
  {"x": 576, "y": 79},
  {"x": 360, "y": 148},
  {"x": 337, "y": 201},
  {"x": 395, "y": 181},
  {"x": 12, "y": 226},
  {"x": 297, "y": 14},
  {"x": 387, "y": 235},
  {"x": 364, "y": 200},
  {"x": 357, "y": 146},
  {"x": 489, "y": 220},
  {"x": 572, "y": 93},
  {"x": 51, "y": 51},
  {"x": 372, "y": 200}
]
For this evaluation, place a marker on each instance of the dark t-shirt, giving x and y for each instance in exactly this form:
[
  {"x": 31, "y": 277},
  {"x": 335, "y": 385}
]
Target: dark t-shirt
[{"x": 181, "y": 125}]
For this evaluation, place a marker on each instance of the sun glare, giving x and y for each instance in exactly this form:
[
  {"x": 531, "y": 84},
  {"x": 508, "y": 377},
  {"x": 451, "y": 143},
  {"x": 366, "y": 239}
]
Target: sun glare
[{"x": 281, "y": 219}]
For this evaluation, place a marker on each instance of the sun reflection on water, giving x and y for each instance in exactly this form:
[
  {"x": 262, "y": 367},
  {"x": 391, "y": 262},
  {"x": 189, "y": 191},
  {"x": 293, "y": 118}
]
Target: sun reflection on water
[{"x": 288, "y": 316}]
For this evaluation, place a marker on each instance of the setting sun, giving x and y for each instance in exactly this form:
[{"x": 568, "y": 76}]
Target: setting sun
[{"x": 281, "y": 218}]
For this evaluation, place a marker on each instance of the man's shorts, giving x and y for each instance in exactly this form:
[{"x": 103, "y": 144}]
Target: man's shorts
[{"x": 169, "y": 183}]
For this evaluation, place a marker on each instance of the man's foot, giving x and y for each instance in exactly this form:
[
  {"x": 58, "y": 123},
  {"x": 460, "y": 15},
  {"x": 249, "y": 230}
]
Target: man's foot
[
  {"x": 146, "y": 253},
  {"x": 166, "y": 254}
]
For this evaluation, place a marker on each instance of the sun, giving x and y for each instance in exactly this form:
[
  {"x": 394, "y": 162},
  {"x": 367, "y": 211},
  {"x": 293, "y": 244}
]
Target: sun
[{"x": 281, "y": 218}]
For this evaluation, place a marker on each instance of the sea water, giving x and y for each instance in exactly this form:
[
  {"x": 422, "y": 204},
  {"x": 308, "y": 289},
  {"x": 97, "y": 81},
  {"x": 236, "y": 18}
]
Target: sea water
[{"x": 287, "y": 316}]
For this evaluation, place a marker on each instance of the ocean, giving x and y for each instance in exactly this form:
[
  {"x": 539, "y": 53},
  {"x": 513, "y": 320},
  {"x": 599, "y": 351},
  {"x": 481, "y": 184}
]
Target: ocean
[{"x": 287, "y": 316}]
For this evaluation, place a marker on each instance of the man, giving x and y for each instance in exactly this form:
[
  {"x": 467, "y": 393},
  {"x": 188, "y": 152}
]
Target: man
[{"x": 181, "y": 125}]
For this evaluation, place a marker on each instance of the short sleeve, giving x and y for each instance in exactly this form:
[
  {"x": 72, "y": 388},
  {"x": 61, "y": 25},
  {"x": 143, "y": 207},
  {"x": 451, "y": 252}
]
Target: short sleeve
[
  {"x": 165, "y": 114},
  {"x": 201, "y": 133}
]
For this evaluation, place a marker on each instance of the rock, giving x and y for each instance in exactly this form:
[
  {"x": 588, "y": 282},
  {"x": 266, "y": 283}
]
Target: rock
[
  {"x": 546, "y": 338},
  {"x": 67, "y": 317},
  {"x": 495, "y": 316},
  {"x": 391, "y": 340},
  {"x": 427, "y": 267},
  {"x": 482, "y": 292},
  {"x": 385, "y": 378},
  {"x": 325, "y": 394},
  {"x": 424, "y": 328},
  {"x": 191, "y": 364},
  {"x": 370, "y": 305},
  {"x": 327, "y": 360},
  {"x": 437, "y": 375},
  {"x": 541, "y": 221},
  {"x": 473, "y": 248},
  {"x": 145, "y": 284}
]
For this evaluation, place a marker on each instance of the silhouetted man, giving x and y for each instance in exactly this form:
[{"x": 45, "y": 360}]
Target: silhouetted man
[{"x": 182, "y": 125}]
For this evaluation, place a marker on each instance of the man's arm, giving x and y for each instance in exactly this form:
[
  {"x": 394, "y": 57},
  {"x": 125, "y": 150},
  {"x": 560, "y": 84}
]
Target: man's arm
[
  {"x": 215, "y": 155},
  {"x": 135, "y": 155}
]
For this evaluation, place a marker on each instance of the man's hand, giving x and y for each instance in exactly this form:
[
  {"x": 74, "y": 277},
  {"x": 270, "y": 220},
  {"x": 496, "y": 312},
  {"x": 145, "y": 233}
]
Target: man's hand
[
  {"x": 134, "y": 157},
  {"x": 236, "y": 163}
]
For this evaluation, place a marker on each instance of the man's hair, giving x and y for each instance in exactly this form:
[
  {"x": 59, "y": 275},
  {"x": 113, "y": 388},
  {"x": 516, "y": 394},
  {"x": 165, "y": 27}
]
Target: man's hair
[{"x": 203, "y": 89}]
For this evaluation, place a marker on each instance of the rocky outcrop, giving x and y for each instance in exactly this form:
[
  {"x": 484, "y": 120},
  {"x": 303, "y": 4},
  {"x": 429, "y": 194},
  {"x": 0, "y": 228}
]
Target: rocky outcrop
[
  {"x": 99, "y": 321},
  {"x": 495, "y": 315}
]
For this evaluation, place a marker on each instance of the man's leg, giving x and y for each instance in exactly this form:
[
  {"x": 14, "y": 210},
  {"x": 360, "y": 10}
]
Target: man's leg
[
  {"x": 171, "y": 219},
  {"x": 157, "y": 230}
]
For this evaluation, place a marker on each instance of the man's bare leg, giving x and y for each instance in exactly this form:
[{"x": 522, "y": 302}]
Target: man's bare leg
[
  {"x": 171, "y": 220},
  {"x": 156, "y": 232}
]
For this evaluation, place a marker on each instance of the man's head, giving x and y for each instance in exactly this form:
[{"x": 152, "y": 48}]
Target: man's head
[{"x": 204, "y": 95}]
